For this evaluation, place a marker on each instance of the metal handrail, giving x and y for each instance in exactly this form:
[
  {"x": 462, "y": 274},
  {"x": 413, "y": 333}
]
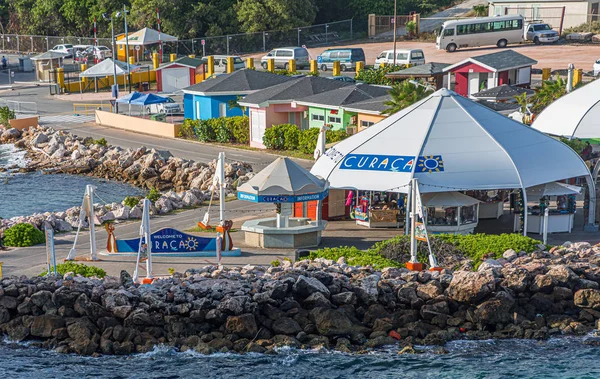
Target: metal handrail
[{"x": 89, "y": 108}]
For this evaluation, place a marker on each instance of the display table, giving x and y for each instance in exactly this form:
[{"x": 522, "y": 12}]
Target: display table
[
  {"x": 557, "y": 223},
  {"x": 379, "y": 218},
  {"x": 493, "y": 209}
]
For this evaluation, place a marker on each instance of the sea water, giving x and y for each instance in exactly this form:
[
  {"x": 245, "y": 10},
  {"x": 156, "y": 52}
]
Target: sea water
[
  {"x": 567, "y": 357},
  {"x": 23, "y": 194}
]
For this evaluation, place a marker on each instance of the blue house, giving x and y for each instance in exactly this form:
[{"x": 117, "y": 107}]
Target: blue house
[{"x": 211, "y": 98}]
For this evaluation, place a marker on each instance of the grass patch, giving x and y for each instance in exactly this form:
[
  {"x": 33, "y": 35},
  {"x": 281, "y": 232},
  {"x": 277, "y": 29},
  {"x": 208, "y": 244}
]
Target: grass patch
[
  {"x": 78, "y": 269},
  {"x": 355, "y": 257}
]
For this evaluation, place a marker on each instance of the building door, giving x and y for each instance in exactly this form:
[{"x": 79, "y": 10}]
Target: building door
[
  {"x": 258, "y": 124},
  {"x": 473, "y": 83},
  {"x": 595, "y": 11}
]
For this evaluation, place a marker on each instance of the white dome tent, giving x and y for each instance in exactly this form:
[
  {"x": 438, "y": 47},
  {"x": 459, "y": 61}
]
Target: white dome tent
[
  {"x": 575, "y": 115},
  {"x": 449, "y": 143}
]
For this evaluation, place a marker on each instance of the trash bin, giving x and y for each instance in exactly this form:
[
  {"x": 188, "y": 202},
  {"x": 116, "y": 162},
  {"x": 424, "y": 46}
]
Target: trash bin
[{"x": 145, "y": 86}]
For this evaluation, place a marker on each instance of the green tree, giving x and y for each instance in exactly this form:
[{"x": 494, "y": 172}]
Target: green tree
[
  {"x": 259, "y": 15},
  {"x": 480, "y": 10},
  {"x": 550, "y": 91},
  {"x": 403, "y": 95}
]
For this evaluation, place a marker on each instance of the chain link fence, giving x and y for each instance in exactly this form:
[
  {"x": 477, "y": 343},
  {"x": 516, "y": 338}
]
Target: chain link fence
[{"x": 243, "y": 43}]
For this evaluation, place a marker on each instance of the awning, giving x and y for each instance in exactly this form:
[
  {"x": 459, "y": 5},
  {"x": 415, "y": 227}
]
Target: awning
[
  {"x": 503, "y": 92},
  {"x": 552, "y": 189},
  {"x": 449, "y": 143},
  {"x": 148, "y": 98},
  {"x": 49, "y": 55},
  {"x": 448, "y": 199},
  {"x": 128, "y": 99},
  {"x": 146, "y": 36},
  {"x": 105, "y": 68}
]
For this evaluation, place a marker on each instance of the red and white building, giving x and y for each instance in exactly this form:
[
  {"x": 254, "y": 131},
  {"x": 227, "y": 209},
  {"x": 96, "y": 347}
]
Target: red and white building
[{"x": 179, "y": 74}]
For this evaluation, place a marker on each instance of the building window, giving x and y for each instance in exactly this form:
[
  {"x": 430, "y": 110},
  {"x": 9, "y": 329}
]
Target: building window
[
  {"x": 334, "y": 120},
  {"x": 366, "y": 124},
  {"x": 292, "y": 118},
  {"x": 197, "y": 111},
  {"x": 222, "y": 109},
  {"x": 317, "y": 117}
]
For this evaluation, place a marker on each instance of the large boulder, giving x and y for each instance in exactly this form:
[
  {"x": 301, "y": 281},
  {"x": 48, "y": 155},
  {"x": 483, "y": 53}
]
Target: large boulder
[
  {"x": 495, "y": 310},
  {"x": 243, "y": 325},
  {"x": 306, "y": 286},
  {"x": 44, "y": 325},
  {"x": 470, "y": 287},
  {"x": 367, "y": 289},
  {"x": 587, "y": 298},
  {"x": 10, "y": 135},
  {"x": 332, "y": 322},
  {"x": 286, "y": 325}
]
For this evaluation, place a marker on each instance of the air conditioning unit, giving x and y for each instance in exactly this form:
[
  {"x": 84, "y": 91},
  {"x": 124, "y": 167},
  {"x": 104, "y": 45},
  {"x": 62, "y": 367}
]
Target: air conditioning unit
[{"x": 351, "y": 129}]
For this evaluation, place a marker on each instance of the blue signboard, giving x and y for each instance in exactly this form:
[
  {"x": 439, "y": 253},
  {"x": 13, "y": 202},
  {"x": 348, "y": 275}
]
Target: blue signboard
[
  {"x": 282, "y": 199},
  {"x": 393, "y": 163},
  {"x": 319, "y": 59},
  {"x": 169, "y": 240}
]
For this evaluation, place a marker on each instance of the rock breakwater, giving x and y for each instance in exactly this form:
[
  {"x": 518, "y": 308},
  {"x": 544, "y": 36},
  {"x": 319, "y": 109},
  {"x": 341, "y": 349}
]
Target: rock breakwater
[{"x": 309, "y": 304}]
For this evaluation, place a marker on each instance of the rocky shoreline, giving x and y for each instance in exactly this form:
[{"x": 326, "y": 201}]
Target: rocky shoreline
[
  {"x": 309, "y": 304},
  {"x": 52, "y": 151}
]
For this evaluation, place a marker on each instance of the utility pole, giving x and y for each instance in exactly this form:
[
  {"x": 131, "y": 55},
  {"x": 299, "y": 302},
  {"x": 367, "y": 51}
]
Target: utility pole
[
  {"x": 127, "y": 47},
  {"x": 395, "y": 29},
  {"x": 112, "y": 28}
]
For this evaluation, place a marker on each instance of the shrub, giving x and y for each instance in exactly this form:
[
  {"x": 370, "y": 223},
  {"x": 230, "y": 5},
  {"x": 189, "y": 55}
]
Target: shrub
[
  {"x": 281, "y": 137},
  {"x": 240, "y": 128},
  {"x": 335, "y": 135},
  {"x": 275, "y": 263},
  {"x": 23, "y": 235},
  {"x": 313, "y": 73},
  {"x": 79, "y": 269},
  {"x": 204, "y": 131},
  {"x": 101, "y": 142},
  {"x": 222, "y": 133},
  {"x": 308, "y": 140},
  {"x": 6, "y": 114},
  {"x": 188, "y": 128},
  {"x": 377, "y": 75},
  {"x": 131, "y": 201},
  {"x": 153, "y": 195},
  {"x": 355, "y": 257}
]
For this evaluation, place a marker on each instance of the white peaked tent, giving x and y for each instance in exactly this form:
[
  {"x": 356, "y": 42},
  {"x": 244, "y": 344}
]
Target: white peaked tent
[
  {"x": 449, "y": 143},
  {"x": 575, "y": 115},
  {"x": 552, "y": 189},
  {"x": 283, "y": 177},
  {"x": 448, "y": 199},
  {"x": 105, "y": 68},
  {"x": 146, "y": 36}
]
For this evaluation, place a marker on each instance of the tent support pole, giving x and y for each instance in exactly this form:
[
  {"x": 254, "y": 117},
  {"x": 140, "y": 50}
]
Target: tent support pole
[
  {"x": 524, "y": 192},
  {"x": 591, "y": 182}
]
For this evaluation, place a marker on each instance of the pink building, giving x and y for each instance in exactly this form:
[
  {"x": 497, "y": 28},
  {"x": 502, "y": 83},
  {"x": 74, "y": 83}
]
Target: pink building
[{"x": 276, "y": 105}]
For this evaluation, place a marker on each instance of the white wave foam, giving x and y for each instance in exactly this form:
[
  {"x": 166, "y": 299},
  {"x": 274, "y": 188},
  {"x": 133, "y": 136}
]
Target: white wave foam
[{"x": 10, "y": 156}]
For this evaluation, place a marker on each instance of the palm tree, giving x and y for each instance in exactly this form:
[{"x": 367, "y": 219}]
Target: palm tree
[
  {"x": 404, "y": 94},
  {"x": 550, "y": 91}
]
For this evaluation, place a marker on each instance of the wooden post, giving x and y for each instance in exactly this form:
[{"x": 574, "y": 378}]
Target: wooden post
[
  {"x": 230, "y": 67},
  {"x": 292, "y": 65},
  {"x": 271, "y": 65},
  {"x": 336, "y": 68},
  {"x": 250, "y": 63},
  {"x": 313, "y": 66},
  {"x": 210, "y": 70},
  {"x": 359, "y": 67},
  {"x": 546, "y": 72}
]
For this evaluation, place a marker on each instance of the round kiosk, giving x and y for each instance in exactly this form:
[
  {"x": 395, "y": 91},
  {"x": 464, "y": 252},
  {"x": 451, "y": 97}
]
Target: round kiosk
[{"x": 451, "y": 212}]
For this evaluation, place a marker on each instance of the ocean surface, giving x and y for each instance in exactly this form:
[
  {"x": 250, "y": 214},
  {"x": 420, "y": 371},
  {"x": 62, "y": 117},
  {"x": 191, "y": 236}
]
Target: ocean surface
[
  {"x": 555, "y": 358},
  {"x": 29, "y": 193}
]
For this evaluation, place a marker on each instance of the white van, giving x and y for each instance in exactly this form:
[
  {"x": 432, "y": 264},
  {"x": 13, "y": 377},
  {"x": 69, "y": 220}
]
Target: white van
[
  {"x": 413, "y": 57},
  {"x": 283, "y": 55}
]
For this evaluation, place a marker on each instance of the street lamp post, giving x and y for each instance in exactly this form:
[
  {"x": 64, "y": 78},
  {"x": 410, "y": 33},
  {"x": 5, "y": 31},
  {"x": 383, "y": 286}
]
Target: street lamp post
[
  {"x": 125, "y": 11},
  {"x": 112, "y": 29},
  {"x": 299, "y": 30},
  {"x": 395, "y": 29}
]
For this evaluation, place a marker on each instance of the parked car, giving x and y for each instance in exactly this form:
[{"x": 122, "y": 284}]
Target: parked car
[
  {"x": 283, "y": 55},
  {"x": 413, "y": 57},
  {"x": 541, "y": 33},
  {"x": 221, "y": 62},
  {"x": 64, "y": 48},
  {"x": 170, "y": 107},
  {"x": 597, "y": 67},
  {"x": 346, "y": 57},
  {"x": 342, "y": 78},
  {"x": 79, "y": 52}
]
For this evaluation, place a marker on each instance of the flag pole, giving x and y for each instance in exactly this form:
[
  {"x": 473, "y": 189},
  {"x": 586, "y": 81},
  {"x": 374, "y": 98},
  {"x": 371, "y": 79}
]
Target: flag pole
[{"x": 160, "y": 53}]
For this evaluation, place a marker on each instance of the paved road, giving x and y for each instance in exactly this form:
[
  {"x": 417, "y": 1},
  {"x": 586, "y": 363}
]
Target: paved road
[{"x": 32, "y": 260}]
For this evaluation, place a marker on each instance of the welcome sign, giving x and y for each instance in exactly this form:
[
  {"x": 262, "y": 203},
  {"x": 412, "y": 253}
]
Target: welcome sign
[
  {"x": 392, "y": 163},
  {"x": 169, "y": 240}
]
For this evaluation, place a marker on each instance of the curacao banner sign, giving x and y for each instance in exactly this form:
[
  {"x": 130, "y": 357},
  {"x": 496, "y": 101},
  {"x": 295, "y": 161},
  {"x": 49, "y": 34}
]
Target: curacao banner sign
[
  {"x": 169, "y": 240},
  {"x": 282, "y": 199},
  {"x": 392, "y": 163}
]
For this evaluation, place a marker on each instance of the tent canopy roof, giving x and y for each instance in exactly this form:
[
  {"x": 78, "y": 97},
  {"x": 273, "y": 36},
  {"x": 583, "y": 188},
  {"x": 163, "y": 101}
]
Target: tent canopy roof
[
  {"x": 146, "y": 36},
  {"x": 105, "y": 68},
  {"x": 448, "y": 143},
  {"x": 503, "y": 92},
  {"x": 575, "y": 115},
  {"x": 552, "y": 189},
  {"x": 129, "y": 98},
  {"x": 284, "y": 177},
  {"x": 49, "y": 55},
  {"x": 448, "y": 199},
  {"x": 148, "y": 98}
]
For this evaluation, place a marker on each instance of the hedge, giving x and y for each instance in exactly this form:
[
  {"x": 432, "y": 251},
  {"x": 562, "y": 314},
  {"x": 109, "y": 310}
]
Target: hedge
[
  {"x": 223, "y": 129},
  {"x": 450, "y": 249},
  {"x": 23, "y": 235},
  {"x": 290, "y": 137}
]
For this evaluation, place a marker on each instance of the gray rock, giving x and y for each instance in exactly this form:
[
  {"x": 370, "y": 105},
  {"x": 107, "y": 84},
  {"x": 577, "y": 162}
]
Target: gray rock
[
  {"x": 587, "y": 298},
  {"x": 286, "y": 325},
  {"x": 244, "y": 325},
  {"x": 510, "y": 255},
  {"x": 305, "y": 286},
  {"x": 469, "y": 287}
]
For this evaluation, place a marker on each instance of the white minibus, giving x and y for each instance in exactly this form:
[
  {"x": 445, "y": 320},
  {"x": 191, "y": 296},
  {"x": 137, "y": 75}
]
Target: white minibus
[{"x": 474, "y": 32}]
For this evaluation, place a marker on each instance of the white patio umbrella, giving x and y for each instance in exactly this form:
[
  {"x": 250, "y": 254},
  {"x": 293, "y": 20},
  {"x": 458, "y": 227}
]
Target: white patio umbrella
[
  {"x": 449, "y": 143},
  {"x": 552, "y": 189}
]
